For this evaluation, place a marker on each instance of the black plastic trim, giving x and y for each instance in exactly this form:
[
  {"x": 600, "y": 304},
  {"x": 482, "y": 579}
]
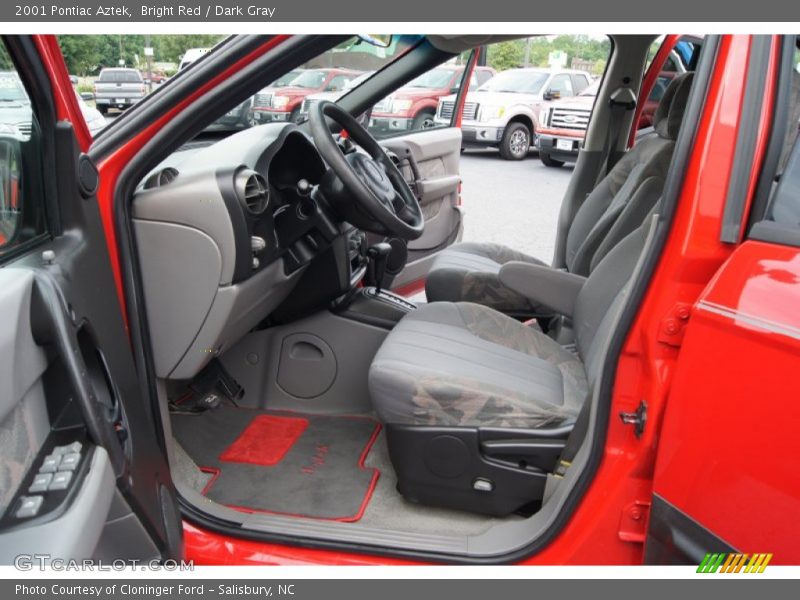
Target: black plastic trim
[
  {"x": 243, "y": 254},
  {"x": 746, "y": 139},
  {"x": 675, "y": 538}
]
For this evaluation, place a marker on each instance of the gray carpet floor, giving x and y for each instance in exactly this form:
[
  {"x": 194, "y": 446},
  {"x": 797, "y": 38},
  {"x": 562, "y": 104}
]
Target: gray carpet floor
[{"x": 319, "y": 476}]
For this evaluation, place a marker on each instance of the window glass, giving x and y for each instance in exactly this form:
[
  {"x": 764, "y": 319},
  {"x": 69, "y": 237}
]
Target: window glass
[
  {"x": 562, "y": 85},
  {"x": 21, "y": 213},
  {"x": 516, "y": 81}
]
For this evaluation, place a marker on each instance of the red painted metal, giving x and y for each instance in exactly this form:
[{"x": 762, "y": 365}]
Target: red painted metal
[
  {"x": 653, "y": 71},
  {"x": 64, "y": 98},
  {"x": 729, "y": 447}
]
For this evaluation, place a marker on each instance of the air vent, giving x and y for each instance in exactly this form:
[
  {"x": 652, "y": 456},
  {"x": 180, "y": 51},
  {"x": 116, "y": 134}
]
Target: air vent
[
  {"x": 253, "y": 191},
  {"x": 161, "y": 178}
]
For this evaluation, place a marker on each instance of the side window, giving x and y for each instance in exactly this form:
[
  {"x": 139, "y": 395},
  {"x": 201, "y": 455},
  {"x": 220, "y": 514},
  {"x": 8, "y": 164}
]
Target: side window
[
  {"x": 580, "y": 82},
  {"x": 483, "y": 76},
  {"x": 425, "y": 102},
  {"x": 21, "y": 205},
  {"x": 659, "y": 87},
  {"x": 782, "y": 222},
  {"x": 337, "y": 83},
  {"x": 562, "y": 85}
]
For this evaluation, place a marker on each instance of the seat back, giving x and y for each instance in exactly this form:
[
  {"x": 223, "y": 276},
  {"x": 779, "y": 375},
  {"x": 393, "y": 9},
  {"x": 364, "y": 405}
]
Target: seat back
[
  {"x": 619, "y": 203},
  {"x": 605, "y": 287}
]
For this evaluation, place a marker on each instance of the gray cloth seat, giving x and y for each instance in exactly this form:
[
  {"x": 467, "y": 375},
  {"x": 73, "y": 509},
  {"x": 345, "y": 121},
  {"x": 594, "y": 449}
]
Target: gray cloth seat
[
  {"x": 617, "y": 206},
  {"x": 467, "y": 365}
]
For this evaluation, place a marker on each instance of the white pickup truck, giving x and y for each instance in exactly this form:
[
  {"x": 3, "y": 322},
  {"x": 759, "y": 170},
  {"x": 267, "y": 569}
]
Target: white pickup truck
[
  {"x": 118, "y": 88},
  {"x": 504, "y": 111}
]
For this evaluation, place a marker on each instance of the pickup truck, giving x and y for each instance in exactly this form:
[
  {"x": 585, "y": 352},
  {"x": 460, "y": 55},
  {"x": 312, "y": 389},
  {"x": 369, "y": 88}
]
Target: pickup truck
[
  {"x": 563, "y": 124},
  {"x": 282, "y": 103},
  {"x": 504, "y": 111},
  {"x": 413, "y": 106},
  {"x": 118, "y": 88}
]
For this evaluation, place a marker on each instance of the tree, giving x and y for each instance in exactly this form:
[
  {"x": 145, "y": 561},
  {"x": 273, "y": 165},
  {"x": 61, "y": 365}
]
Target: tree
[{"x": 87, "y": 54}]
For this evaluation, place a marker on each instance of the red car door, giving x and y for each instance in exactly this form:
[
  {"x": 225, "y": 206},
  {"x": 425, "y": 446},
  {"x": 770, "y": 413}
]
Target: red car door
[
  {"x": 726, "y": 473},
  {"x": 84, "y": 473}
]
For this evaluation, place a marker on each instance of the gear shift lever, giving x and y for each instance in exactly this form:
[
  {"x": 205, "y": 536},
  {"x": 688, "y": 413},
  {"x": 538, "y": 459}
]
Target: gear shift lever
[{"x": 377, "y": 254}]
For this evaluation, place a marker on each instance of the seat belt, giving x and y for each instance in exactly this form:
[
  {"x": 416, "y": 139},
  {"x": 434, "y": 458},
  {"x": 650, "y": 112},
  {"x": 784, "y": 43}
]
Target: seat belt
[
  {"x": 574, "y": 440},
  {"x": 622, "y": 100}
]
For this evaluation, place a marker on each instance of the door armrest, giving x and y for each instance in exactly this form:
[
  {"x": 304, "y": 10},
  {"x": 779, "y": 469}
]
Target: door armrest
[{"x": 546, "y": 286}]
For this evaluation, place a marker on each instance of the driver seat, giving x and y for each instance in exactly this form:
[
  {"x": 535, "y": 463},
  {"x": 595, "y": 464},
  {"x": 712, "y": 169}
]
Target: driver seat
[
  {"x": 477, "y": 405},
  {"x": 618, "y": 204}
]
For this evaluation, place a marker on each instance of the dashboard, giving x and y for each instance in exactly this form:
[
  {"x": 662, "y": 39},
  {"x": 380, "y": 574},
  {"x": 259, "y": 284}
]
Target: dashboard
[{"x": 224, "y": 233}]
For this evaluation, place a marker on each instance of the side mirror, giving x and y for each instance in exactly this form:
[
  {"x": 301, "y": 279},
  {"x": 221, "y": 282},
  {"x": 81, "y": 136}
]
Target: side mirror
[
  {"x": 552, "y": 95},
  {"x": 73, "y": 79},
  {"x": 454, "y": 89}
]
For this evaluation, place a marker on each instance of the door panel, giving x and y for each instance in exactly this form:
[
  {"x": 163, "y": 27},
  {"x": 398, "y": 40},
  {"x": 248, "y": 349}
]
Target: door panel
[
  {"x": 79, "y": 452},
  {"x": 429, "y": 160},
  {"x": 727, "y": 459}
]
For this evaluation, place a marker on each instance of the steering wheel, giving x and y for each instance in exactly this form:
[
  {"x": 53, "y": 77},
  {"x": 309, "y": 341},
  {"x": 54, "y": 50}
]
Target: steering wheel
[{"x": 372, "y": 179}]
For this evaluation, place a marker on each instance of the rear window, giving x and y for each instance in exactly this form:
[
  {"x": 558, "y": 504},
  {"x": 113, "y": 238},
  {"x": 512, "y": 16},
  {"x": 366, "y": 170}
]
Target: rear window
[{"x": 127, "y": 76}]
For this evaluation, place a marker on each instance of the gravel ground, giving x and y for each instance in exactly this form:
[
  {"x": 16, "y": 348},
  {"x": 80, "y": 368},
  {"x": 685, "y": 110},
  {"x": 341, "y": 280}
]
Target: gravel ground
[{"x": 514, "y": 203}]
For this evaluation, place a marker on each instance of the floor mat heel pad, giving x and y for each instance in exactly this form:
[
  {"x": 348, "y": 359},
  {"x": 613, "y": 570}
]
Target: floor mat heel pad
[{"x": 283, "y": 463}]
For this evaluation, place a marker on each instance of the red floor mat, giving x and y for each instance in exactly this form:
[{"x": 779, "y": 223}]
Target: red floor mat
[
  {"x": 265, "y": 441},
  {"x": 283, "y": 463}
]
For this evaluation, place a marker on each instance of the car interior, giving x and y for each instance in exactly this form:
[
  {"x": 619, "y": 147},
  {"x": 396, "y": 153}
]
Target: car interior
[{"x": 305, "y": 395}]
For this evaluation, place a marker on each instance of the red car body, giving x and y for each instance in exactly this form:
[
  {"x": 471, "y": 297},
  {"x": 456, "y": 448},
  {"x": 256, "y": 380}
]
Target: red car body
[{"x": 713, "y": 349}]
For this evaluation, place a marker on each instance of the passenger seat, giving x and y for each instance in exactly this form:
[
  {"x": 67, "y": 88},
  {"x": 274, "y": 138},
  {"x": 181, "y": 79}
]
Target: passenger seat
[{"x": 468, "y": 272}]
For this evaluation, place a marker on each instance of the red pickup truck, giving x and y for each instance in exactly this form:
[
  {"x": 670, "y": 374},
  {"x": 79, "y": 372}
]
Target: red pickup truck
[
  {"x": 414, "y": 105},
  {"x": 282, "y": 104}
]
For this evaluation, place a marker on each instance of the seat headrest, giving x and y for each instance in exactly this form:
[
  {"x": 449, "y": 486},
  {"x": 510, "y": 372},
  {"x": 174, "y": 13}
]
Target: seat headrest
[{"x": 669, "y": 114}]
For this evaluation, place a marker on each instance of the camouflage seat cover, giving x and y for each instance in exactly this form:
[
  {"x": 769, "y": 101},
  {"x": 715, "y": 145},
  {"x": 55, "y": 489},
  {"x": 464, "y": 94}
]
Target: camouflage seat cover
[
  {"x": 467, "y": 365},
  {"x": 617, "y": 206},
  {"x": 464, "y": 364}
]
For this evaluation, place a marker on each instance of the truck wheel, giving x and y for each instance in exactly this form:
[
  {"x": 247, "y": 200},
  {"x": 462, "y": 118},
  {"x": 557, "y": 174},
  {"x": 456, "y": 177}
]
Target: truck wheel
[
  {"x": 423, "y": 120},
  {"x": 549, "y": 161},
  {"x": 102, "y": 109},
  {"x": 516, "y": 142}
]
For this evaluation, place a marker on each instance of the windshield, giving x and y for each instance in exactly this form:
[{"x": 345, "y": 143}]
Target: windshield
[
  {"x": 11, "y": 89},
  {"x": 285, "y": 80},
  {"x": 309, "y": 80},
  {"x": 354, "y": 83},
  {"x": 128, "y": 76},
  {"x": 516, "y": 81},
  {"x": 433, "y": 80}
]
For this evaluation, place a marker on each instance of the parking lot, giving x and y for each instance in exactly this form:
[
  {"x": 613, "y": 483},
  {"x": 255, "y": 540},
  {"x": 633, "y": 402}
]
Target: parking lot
[{"x": 514, "y": 203}]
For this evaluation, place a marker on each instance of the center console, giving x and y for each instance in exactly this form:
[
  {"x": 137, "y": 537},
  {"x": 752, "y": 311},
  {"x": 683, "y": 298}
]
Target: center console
[{"x": 374, "y": 306}]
